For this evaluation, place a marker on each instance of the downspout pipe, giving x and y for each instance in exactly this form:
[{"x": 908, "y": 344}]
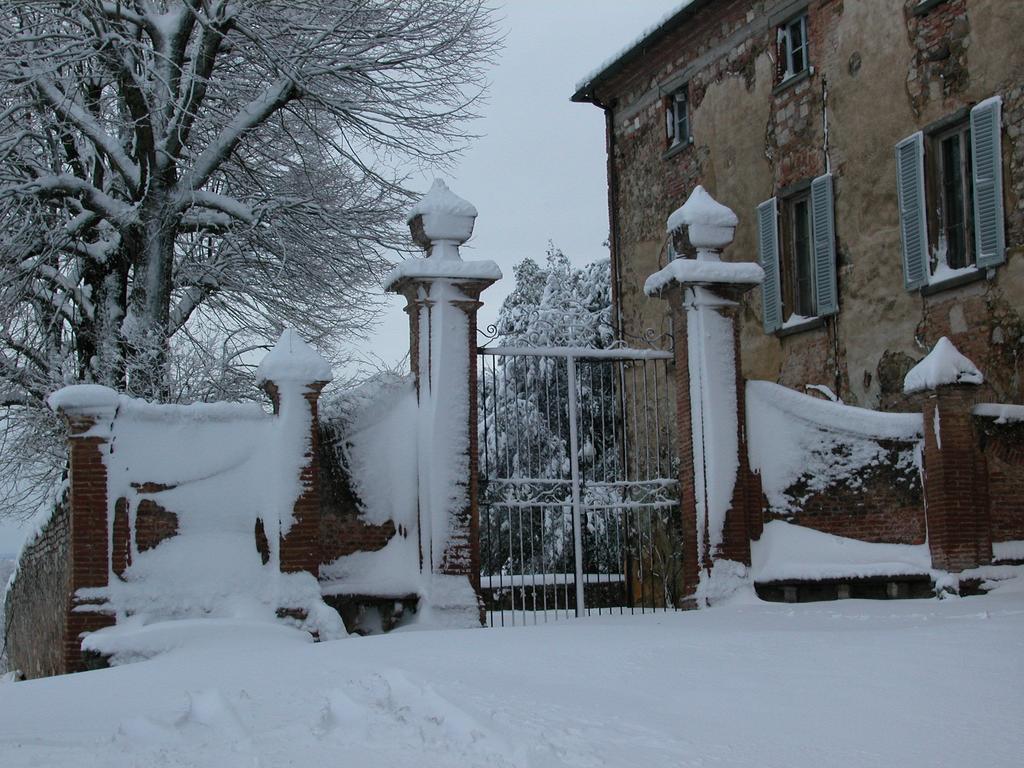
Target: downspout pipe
[{"x": 614, "y": 241}]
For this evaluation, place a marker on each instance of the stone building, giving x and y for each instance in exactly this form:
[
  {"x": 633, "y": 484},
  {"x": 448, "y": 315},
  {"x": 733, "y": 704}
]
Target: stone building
[{"x": 873, "y": 150}]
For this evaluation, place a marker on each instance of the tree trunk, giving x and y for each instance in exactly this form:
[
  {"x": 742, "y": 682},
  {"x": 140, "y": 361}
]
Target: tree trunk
[
  {"x": 146, "y": 328},
  {"x": 99, "y": 342}
]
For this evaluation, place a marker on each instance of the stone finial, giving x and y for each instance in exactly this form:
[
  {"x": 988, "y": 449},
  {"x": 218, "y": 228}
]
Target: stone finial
[
  {"x": 293, "y": 360},
  {"x": 711, "y": 225},
  {"x": 442, "y": 221},
  {"x": 944, "y": 365}
]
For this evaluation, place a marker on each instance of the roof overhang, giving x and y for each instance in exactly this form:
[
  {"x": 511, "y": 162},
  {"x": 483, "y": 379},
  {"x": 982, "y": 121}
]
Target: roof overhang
[{"x": 586, "y": 89}]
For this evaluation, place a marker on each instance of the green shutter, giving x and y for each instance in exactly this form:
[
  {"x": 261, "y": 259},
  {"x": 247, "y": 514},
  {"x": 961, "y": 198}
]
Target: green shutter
[
  {"x": 986, "y": 155},
  {"x": 768, "y": 255},
  {"x": 823, "y": 230},
  {"x": 913, "y": 227}
]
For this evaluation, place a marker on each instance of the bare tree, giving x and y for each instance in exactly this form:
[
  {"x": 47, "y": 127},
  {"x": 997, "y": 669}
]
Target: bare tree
[{"x": 172, "y": 170}]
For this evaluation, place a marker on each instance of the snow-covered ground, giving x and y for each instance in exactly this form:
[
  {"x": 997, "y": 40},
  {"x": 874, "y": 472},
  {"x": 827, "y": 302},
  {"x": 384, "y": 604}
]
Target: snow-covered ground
[{"x": 850, "y": 683}]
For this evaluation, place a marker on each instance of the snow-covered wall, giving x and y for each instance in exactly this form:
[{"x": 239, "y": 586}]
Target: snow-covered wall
[
  {"x": 836, "y": 468},
  {"x": 369, "y": 528},
  {"x": 197, "y": 511}
]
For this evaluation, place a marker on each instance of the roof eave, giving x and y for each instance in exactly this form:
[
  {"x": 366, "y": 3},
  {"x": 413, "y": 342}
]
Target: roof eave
[{"x": 585, "y": 93}]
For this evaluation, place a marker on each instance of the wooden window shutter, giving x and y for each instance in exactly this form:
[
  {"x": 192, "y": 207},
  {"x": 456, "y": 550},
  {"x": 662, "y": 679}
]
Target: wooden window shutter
[
  {"x": 913, "y": 224},
  {"x": 986, "y": 153},
  {"x": 823, "y": 229},
  {"x": 768, "y": 255}
]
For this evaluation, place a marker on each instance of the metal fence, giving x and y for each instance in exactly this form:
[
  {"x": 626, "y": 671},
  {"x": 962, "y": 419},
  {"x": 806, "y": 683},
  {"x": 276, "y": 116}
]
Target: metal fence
[{"x": 578, "y": 493}]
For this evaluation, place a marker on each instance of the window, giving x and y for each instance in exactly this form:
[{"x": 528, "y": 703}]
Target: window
[
  {"x": 797, "y": 267},
  {"x": 950, "y": 191},
  {"x": 677, "y": 113},
  {"x": 792, "y": 47},
  {"x": 796, "y": 249}
]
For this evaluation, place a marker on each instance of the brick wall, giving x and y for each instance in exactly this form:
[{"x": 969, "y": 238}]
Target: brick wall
[
  {"x": 343, "y": 531},
  {"x": 36, "y": 606},
  {"x": 881, "y": 502},
  {"x": 1002, "y": 446}
]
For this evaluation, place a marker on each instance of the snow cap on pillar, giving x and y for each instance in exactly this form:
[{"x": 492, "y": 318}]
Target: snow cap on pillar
[
  {"x": 943, "y": 366},
  {"x": 442, "y": 221},
  {"x": 293, "y": 360},
  {"x": 711, "y": 225},
  {"x": 83, "y": 398}
]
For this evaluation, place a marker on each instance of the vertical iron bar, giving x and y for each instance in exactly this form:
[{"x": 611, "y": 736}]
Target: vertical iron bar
[
  {"x": 646, "y": 426},
  {"x": 657, "y": 421},
  {"x": 574, "y": 467}
]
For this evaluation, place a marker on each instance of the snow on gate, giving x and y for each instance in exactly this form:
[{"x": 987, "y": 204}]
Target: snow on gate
[{"x": 578, "y": 485}]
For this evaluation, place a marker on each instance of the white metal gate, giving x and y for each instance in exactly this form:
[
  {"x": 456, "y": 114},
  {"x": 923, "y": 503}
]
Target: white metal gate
[{"x": 578, "y": 492}]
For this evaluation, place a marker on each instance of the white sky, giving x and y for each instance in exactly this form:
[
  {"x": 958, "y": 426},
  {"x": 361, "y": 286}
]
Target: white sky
[{"x": 538, "y": 171}]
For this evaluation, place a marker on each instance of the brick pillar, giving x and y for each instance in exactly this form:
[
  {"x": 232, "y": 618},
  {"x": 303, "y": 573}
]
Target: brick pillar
[
  {"x": 684, "y": 446},
  {"x": 719, "y": 495},
  {"x": 89, "y": 414},
  {"x": 431, "y": 304},
  {"x": 955, "y": 481},
  {"x": 293, "y": 375},
  {"x": 443, "y": 295}
]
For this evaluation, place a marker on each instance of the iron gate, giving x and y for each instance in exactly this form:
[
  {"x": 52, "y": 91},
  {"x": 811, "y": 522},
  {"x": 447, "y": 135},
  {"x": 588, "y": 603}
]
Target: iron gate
[{"x": 578, "y": 492}]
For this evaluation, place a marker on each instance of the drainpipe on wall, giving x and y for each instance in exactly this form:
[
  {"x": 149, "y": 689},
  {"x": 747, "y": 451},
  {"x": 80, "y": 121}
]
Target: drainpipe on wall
[{"x": 613, "y": 225}]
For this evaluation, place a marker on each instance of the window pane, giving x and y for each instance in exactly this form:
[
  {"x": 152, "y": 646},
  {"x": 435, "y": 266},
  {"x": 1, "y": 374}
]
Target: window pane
[
  {"x": 682, "y": 121},
  {"x": 803, "y": 272},
  {"x": 954, "y": 225},
  {"x": 796, "y": 47}
]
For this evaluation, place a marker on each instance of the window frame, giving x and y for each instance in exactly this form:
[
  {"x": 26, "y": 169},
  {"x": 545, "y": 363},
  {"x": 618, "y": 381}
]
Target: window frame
[
  {"x": 790, "y": 267},
  {"x": 936, "y": 201},
  {"x": 785, "y": 49},
  {"x": 680, "y": 96}
]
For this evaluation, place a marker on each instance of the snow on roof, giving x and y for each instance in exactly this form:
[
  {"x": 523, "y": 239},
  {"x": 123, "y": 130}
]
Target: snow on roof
[
  {"x": 635, "y": 43},
  {"x": 436, "y": 268},
  {"x": 693, "y": 271},
  {"x": 943, "y": 365},
  {"x": 440, "y": 199},
  {"x": 83, "y": 396},
  {"x": 702, "y": 208},
  {"x": 292, "y": 359}
]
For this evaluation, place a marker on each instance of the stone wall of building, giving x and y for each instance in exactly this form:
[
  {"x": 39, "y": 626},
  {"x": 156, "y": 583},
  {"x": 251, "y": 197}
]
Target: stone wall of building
[{"x": 882, "y": 70}]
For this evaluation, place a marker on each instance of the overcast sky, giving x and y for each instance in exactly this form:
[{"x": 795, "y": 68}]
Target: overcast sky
[{"x": 538, "y": 171}]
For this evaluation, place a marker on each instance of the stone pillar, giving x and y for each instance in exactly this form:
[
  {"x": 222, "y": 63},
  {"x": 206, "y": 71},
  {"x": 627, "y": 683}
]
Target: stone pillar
[
  {"x": 293, "y": 375},
  {"x": 89, "y": 412},
  {"x": 719, "y": 495},
  {"x": 443, "y": 295}
]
